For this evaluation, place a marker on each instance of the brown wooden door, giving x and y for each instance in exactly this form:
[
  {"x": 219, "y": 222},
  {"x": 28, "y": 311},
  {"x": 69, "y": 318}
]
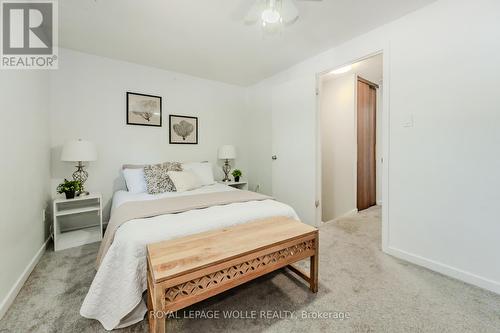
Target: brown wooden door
[{"x": 366, "y": 127}]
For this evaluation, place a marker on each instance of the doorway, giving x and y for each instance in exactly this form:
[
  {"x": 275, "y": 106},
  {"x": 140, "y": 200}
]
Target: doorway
[{"x": 350, "y": 126}]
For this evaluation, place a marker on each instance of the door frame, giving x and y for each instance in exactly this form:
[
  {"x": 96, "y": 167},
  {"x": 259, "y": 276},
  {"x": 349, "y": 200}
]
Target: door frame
[{"x": 385, "y": 51}]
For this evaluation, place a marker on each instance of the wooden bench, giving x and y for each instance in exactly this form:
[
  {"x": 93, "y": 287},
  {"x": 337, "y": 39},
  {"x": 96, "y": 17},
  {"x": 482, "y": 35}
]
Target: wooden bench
[{"x": 187, "y": 270}]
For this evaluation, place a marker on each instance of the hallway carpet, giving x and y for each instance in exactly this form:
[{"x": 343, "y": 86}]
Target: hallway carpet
[{"x": 361, "y": 290}]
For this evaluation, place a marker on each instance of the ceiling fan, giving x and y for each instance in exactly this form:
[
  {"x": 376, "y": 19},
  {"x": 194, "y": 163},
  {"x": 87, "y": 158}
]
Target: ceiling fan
[{"x": 273, "y": 13}]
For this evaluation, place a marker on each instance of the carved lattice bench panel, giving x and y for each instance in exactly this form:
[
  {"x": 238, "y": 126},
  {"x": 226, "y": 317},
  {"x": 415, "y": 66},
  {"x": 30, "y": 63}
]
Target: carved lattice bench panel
[{"x": 252, "y": 267}]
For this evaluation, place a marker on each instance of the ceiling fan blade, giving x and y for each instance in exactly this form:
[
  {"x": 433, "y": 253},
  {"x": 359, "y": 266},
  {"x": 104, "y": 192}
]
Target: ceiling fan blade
[{"x": 289, "y": 12}]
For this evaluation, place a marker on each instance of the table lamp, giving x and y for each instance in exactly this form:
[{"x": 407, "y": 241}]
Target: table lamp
[{"x": 79, "y": 151}]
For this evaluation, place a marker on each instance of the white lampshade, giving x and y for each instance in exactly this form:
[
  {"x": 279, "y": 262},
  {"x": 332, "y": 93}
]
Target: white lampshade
[
  {"x": 227, "y": 152},
  {"x": 79, "y": 151}
]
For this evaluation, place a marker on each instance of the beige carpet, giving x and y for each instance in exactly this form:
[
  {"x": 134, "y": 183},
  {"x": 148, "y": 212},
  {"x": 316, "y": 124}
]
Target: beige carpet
[{"x": 377, "y": 292}]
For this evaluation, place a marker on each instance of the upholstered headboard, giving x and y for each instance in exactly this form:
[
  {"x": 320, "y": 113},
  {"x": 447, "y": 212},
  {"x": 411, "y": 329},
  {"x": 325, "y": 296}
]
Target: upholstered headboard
[
  {"x": 133, "y": 166},
  {"x": 140, "y": 166}
]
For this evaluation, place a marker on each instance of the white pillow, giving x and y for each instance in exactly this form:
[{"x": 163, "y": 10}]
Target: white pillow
[
  {"x": 184, "y": 180},
  {"x": 135, "y": 180},
  {"x": 203, "y": 170}
]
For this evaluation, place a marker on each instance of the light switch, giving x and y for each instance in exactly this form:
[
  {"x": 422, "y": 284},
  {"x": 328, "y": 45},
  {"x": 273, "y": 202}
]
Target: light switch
[{"x": 408, "y": 121}]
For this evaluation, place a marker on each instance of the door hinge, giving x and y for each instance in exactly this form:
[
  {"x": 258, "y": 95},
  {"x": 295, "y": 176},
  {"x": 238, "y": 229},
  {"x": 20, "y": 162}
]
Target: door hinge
[{"x": 316, "y": 203}]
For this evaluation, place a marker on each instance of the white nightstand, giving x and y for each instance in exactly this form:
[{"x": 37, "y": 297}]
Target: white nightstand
[
  {"x": 77, "y": 221},
  {"x": 239, "y": 185}
]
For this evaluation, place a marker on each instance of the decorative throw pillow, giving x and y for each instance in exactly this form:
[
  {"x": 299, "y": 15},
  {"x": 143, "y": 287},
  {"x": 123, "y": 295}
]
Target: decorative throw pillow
[
  {"x": 203, "y": 170},
  {"x": 172, "y": 166},
  {"x": 135, "y": 180},
  {"x": 184, "y": 180},
  {"x": 157, "y": 179}
]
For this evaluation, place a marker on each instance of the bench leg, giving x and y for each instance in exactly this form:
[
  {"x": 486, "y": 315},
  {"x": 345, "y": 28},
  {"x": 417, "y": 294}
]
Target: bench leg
[
  {"x": 312, "y": 277},
  {"x": 156, "y": 325},
  {"x": 155, "y": 317},
  {"x": 313, "y": 270},
  {"x": 313, "y": 274},
  {"x": 155, "y": 314}
]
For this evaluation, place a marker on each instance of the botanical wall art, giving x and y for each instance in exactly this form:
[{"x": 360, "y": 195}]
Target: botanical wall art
[
  {"x": 143, "y": 109},
  {"x": 183, "y": 129}
]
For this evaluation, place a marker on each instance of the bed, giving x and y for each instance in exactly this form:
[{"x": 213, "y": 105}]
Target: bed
[{"x": 115, "y": 297}]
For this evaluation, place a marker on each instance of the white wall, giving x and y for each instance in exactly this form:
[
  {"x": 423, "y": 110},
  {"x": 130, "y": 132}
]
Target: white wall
[
  {"x": 441, "y": 68},
  {"x": 24, "y": 176},
  {"x": 88, "y": 101},
  {"x": 258, "y": 143},
  {"x": 338, "y": 146}
]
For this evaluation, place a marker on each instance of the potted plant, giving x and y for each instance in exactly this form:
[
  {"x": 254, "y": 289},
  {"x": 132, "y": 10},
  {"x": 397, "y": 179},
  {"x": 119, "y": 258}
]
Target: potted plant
[
  {"x": 236, "y": 174},
  {"x": 69, "y": 188}
]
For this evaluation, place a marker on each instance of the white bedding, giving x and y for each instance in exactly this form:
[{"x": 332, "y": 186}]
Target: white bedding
[{"x": 115, "y": 296}]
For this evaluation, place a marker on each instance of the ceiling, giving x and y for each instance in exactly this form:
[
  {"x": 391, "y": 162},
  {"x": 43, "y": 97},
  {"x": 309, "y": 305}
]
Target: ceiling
[{"x": 208, "y": 39}]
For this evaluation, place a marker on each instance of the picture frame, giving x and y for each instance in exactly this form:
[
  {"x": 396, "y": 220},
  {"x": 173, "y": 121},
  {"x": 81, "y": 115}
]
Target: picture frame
[
  {"x": 143, "y": 109},
  {"x": 183, "y": 130}
]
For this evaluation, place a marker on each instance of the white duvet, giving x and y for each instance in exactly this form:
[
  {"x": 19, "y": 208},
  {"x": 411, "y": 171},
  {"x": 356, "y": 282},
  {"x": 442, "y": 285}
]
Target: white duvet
[{"x": 115, "y": 296}]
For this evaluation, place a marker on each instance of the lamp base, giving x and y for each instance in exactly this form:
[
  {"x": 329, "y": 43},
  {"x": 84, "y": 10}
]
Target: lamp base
[
  {"x": 81, "y": 175},
  {"x": 226, "y": 168}
]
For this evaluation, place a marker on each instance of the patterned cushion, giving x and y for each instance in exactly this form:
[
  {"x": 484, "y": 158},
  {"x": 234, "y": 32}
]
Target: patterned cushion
[{"x": 157, "y": 179}]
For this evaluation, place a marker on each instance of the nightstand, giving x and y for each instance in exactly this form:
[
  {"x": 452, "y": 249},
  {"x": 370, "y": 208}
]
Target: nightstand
[
  {"x": 239, "y": 185},
  {"x": 77, "y": 221}
]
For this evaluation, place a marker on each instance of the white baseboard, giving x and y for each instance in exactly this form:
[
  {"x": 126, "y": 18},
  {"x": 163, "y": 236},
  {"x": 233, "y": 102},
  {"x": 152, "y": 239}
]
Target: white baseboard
[
  {"x": 11, "y": 296},
  {"x": 352, "y": 212},
  {"x": 349, "y": 213},
  {"x": 379, "y": 203},
  {"x": 444, "y": 269}
]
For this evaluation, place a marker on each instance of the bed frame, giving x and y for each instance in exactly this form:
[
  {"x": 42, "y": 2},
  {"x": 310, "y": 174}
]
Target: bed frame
[{"x": 187, "y": 270}]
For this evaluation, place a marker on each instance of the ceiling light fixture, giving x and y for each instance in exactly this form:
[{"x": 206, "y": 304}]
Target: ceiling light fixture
[
  {"x": 274, "y": 15},
  {"x": 342, "y": 70},
  {"x": 271, "y": 16}
]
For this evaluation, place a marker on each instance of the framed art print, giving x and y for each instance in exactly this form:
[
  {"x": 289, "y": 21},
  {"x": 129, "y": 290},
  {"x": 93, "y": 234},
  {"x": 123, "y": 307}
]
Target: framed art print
[
  {"x": 144, "y": 110},
  {"x": 183, "y": 129}
]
